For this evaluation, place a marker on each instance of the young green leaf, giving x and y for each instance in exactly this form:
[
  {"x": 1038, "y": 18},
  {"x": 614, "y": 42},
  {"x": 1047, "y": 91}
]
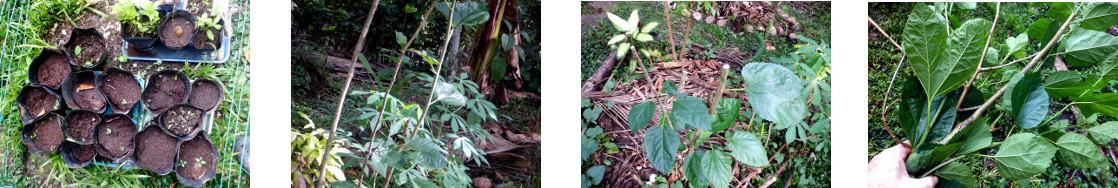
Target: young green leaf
[
  {"x": 1017, "y": 43},
  {"x": 691, "y": 111},
  {"x": 747, "y": 149},
  {"x": 1023, "y": 155},
  {"x": 660, "y": 144},
  {"x": 958, "y": 172},
  {"x": 1102, "y": 16},
  {"x": 401, "y": 39},
  {"x": 1105, "y": 103},
  {"x": 726, "y": 114},
  {"x": 1077, "y": 151},
  {"x": 774, "y": 93},
  {"x": 694, "y": 169},
  {"x": 640, "y": 115},
  {"x": 717, "y": 168},
  {"x": 447, "y": 93},
  {"x": 1104, "y": 133},
  {"x": 1086, "y": 47},
  {"x": 497, "y": 68},
  {"x": 1029, "y": 100}
]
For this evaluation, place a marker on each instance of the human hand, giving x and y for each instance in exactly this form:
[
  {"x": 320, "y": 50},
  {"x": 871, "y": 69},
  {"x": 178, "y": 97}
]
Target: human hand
[{"x": 887, "y": 169}]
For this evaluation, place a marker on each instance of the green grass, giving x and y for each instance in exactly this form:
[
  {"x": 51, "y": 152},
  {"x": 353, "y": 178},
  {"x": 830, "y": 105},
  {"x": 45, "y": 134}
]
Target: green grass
[{"x": 231, "y": 121}]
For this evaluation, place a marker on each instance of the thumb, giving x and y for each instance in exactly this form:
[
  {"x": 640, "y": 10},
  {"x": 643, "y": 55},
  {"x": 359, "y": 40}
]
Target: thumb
[{"x": 928, "y": 181}]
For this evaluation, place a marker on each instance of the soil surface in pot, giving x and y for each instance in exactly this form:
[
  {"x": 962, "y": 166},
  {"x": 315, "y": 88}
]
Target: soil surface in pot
[
  {"x": 53, "y": 70},
  {"x": 83, "y": 152},
  {"x": 115, "y": 136},
  {"x": 182, "y": 120},
  {"x": 195, "y": 158},
  {"x": 48, "y": 134},
  {"x": 39, "y": 102},
  {"x": 80, "y": 125},
  {"x": 168, "y": 91},
  {"x": 122, "y": 90},
  {"x": 177, "y": 32},
  {"x": 86, "y": 96},
  {"x": 155, "y": 149},
  {"x": 205, "y": 95},
  {"x": 92, "y": 46}
]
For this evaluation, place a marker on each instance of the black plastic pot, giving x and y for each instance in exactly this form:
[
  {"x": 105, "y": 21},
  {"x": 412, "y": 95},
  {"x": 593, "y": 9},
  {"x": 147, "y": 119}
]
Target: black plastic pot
[
  {"x": 113, "y": 102},
  {"x": 70, "y": 148},
  {"x": 207, "y": 106},
  {"x": 129, "y": 130},
  {"x": 162, "y": 119},
  {"x": 93, "y": 127},
  {"x": 26, "y": 116},
  {"x": 33, "y": 70},
  {"x": 69, "y": 86},
  {"x": 137, "y": 41},
  {"x": 177, "y": 14},
  {"x": 28, "y": 134},
  {"x": 151, "y": 129},
  {"x": 72, "y": 42},
  {"x": 211, "y": 166},
  {"x": 150, "y": 89}
]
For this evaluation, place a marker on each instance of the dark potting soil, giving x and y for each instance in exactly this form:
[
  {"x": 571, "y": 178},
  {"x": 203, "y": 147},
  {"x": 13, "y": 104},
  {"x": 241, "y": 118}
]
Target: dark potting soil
[
  {"x": 48, "y": 134},
  {"x": 40, "y": 102},
  {"x": 155, "y": 149},
  {"x": 196, "y": 156},
  {"x": 86, "y": 96},
  {"x": 177, "y": 32},
  {"x": 53, "y": 70},
  {"x": 81, "y": 124},
  {"x": 122, "y": 90},
  {"x": 92, "y": 46},
  {"x": 205, "y": 95},
  {"x": 83, "y": 152},
  {"x": 115, "y": 135},
  {"x": 182, "y": 120},
  {"x": 203, "y": 41},
  {"x": 167, "y": 91}
]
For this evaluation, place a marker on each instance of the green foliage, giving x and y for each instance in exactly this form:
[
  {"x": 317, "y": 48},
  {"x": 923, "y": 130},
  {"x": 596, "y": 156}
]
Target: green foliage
[
  {"x": 465, "y": 13},
  {"x": 774, "y": 93},
  {"x": 660, "y": 145},
  {"x": 1028, "y": 100},
  {"x": 632, "y": 35},
  {"x": 691, "y": 112},
  {"x": 640, "y": 115},
  {"x": 1024, "y": 155},
  {"x": 307, "y": 153},
  {"x": 208, "y": 21},
  {"x": 138, "y": 15},
  {"x": 1101, "y": 16}
]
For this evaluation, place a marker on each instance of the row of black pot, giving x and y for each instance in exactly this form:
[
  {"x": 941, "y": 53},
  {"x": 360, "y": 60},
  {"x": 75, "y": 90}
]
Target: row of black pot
[{"x": 172, "y": 36}]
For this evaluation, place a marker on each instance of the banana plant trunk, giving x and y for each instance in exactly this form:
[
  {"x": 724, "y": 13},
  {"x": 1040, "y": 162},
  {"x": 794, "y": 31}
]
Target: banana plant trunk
[{"x": 485, "y": 50}]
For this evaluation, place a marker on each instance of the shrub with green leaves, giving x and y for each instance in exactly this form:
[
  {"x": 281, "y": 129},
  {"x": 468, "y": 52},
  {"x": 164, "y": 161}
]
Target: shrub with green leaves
[
  {"x": 633, "y": 36},
  {"x": 945, "y": 114},
  {"x": 137, "y": 16}
]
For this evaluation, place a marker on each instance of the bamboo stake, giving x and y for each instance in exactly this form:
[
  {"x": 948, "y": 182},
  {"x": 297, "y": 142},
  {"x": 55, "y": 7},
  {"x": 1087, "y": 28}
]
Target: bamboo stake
[
  {"x": 667, "y": 13},
  {"x": 721, "y": 88},
  {"x": 341, "y": 98}
]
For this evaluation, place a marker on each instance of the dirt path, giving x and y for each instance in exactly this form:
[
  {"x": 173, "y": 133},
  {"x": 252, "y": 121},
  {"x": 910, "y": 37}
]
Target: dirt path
[{"x": 599, "y": 7}]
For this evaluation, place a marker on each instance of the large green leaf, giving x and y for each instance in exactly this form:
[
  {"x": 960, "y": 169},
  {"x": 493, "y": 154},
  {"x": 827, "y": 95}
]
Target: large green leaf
[
  {"x": 449, "y": 94},
  {"x": 1104, "y": 133},
  {"x": 660, "y": 144},
  {"x": 926, "y": 156},
  {"x": 974, "y": 137},
  {"x": 618, "y": 22},
  {"x": 958, "y": 172},
  {"x": 1077, "y": 151},
  {"x": 1059, "y": 11},
  {"x": 465, "y": 13},
  {"x": 430, "y": 155},
  {"x": 1043, "y": 30},
  {"x": 747, "y": 149},
  {"x": 640, "y": 115},
  {"x": 694, "y": 170},
  {"x": 774, "y": 92},
  {"x": 1029, "y": 100},
  {"x": 1061, "y": 84},
  {"x": 1017, "y": 43},
  {"x": 958, "y": 62},
  {"x": 497, "y": 68},
  {"x": 966, "y": 5},
  {"x": 911, "y": 108},
  {"x": 691, "y": 111},
  {"x": 1024, "y": 155},
  {"x": 716, "y": 167},
  {"x": 1106, "y": 103},
  {"x": 1102, "y": 16},
  {"x": 923, "y": 39},
  {"x": 1086, "y": 47},
  {"x": 726, "y": 114},
  {"x": 596, "y": 173},
  {"x": 589, "y": 146}
]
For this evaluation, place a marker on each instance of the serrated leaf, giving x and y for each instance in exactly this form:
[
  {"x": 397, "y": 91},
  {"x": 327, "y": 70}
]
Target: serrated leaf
[
  {"x": 1102, "y": 16},
  {"x": 1077, "y": 151},
  {"x": 747, "y": 149},
  {"x": 717, "y": 168},
  {"x": 618, "y": 23},
  {"x": 1086, "y": 47},
  {"x": 1023, "y": 155},
  {"x": 640, "y": 115},
  {"x": 774, "y": 92},
  {"x": 1061, "y": 84},
  {"x": 693, "y": 170},
  {"x": 668, "y": 88},
  {"x": 660, "y": 144},
  {"x": 957, "y": 63},
  {"x": 615, "y": 39},
  {"x": 726, "y": 114},
  {"x": 958, "y": 172},
  {"x": 497, "y": 68},
  {"x": 1104, "y": 133},
  {"x": 596, "y": 173},
  {"x": 1029, "y": 101},
  {"x": 691, "y": 111}
]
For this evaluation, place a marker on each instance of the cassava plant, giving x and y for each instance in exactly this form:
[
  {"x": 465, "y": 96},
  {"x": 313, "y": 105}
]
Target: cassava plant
[{"x": 943, "y": 111}]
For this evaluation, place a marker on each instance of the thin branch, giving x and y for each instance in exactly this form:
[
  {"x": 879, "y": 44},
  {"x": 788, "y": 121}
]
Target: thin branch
[
  {"x": 889, "y": 89},
  {"x": 341, "y": 98},
  {"x": 668, "y": 15},
  {"x": 966, "y": 87},
  {"x": 984, "y": 69},
  {"x": 442, "y": 56},
  {"x": 883, "y": 33},
  {"x": 997, "y": 95}
]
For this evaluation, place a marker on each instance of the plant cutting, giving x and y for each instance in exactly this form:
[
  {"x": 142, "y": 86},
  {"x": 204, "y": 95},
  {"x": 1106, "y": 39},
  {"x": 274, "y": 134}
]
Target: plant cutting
[
  {"x": 138, "y": 21},
  {"x": 209, "y": 33},
  {"x": 88, "y": 46},
  {"x": 114, "y": 137},
  {"x": 206, "y": 94},
  {"x": 37, "y": 101},
  {"x": 49, "y": 68},
  {"x": 121, "y": 89},
  {"x": 183, "y": 121},
  {"x": 80, "y": 92},
  {"x": 164, "y": 89},
  {"x": 177, "y": 29},
  {"x": 77, "y": 155},
  {"x": 155, "y": 149},
  {"x": 43, "y": 135},
  {"x": 79, "y": 126},
  {"x": 198, "y": 159},
  {"x": 946, "y": 106}
]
